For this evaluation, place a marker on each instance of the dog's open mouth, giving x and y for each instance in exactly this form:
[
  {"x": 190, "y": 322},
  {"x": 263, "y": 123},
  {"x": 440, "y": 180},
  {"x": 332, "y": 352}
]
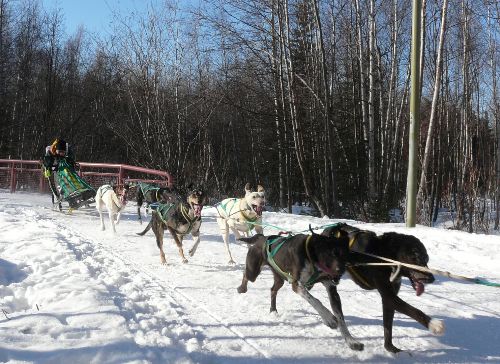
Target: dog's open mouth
[
  {"x": 417, "y": 286},
  {"x": 197, "y": 210},
  {"x": 335, "y": 276},
  {"x": 418, "y": 283},
  {"x": 257, "y": 209}
]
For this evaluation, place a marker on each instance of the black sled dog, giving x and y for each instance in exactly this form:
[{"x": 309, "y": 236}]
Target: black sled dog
[
  {"x": 386, "y": 279},
  {"x": 302, "y": 260}
]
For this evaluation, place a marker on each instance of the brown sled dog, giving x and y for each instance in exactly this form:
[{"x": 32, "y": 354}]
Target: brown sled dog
[
  {"x": 303, "y": 260},
  {"x": 387, "y": 280},
  {"x": 180, "y": 218}
]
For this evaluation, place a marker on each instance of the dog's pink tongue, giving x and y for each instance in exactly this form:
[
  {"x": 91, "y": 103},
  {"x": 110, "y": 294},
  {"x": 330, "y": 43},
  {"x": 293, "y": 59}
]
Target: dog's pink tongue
[
  {"x": 258, "y": 210},
  {"x": 197, "y": 210},
  {"x": 419, "y": 288},
  {"x": 123, "y": 200}
]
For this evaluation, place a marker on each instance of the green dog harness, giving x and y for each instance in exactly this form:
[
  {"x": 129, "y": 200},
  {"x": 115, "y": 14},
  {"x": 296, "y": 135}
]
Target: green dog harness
[
  {"x": 163, "y": 210},
  {"x": 271, "y": 252}
]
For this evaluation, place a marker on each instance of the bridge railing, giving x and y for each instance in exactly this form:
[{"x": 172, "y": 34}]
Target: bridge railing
[{"x": 16, "y": 174}]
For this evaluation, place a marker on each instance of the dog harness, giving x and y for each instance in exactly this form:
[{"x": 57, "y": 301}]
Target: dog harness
[
  {"x": 164, "y": 208},
  {"x": 104, "y": 189},
  {"x": 247, "y": 219},
  {"x": 185, "y": 214},
  {"x": 271, "y": 252},
  {"x": 118, "y": 203},
  {"x": 146, "y": 187},
  {"x": 352, "y": 271},
  {"x": 312, "y": 280}
]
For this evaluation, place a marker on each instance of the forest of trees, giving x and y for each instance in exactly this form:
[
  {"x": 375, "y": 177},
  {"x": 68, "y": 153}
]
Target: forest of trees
[{"x": 310, "y": 98}]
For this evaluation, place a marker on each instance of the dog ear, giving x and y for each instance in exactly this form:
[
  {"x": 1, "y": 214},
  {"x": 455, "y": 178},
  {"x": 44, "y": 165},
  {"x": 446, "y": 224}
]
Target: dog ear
[
  {"x": 260, "y": 188},
  {"x": 247, "y": 188}
]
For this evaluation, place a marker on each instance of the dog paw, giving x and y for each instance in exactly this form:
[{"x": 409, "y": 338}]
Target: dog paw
[
  {"x": 241, "y": 289},
  {"x": 232, "y": 262},
  {"x": 436, "y": 327},
  {"x": 274, "y": 314},
  {"x": 191, "y": 253},
  {"x": 184, "y": 260},
  {"x": 357, "y": 346},
  {"x": 392, "y": 349}
]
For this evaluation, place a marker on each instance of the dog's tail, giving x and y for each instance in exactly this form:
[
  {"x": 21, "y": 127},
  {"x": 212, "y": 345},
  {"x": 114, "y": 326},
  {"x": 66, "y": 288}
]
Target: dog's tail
[
  {"x": 146, "y": 229},
  {"x": 252, "y": 239}
]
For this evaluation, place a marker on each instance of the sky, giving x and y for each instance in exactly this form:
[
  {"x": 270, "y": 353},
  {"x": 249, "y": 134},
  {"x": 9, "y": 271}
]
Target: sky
[
  {"x": 95, "y": 15},
  {"x": 72, "y": 293}
]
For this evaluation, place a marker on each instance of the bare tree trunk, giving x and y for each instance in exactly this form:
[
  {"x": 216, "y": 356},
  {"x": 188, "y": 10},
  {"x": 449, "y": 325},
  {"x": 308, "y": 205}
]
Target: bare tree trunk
[
  {"x": 278, "y": 75},
  {"x": 327, "y": 102},
  {"x": 466, "y": 210},
  {"x": 364, "y": 107},
  {"x": 437, "y": 86},
  {"x": 371, "y": 107},
  {"x": 2, "y": 57},
  {"x": 495, "y": 107},
  {"x": 423, "y": 33},
  {"x": 389, "y": 119},
  {"x": 296, "y": 129},
  {"x": 396, "y": 140}
]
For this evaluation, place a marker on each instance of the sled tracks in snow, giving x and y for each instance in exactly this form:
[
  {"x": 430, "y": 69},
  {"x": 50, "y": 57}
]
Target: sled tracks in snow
[
  {"x": 176, "y": 294},
  {"x": 189, "y": 332}
]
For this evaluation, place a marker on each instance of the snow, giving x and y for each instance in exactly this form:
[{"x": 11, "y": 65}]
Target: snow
[{"x": 71, "y": 293}]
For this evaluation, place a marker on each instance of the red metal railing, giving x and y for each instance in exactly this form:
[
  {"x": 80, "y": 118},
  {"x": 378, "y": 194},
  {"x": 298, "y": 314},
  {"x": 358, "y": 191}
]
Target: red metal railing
[{"x": 27, "y": 175}]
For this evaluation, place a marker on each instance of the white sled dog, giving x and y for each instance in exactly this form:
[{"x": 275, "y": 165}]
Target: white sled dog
[
  {"x": 240, "y": 215},
  {"x": 114, "y": 198}
]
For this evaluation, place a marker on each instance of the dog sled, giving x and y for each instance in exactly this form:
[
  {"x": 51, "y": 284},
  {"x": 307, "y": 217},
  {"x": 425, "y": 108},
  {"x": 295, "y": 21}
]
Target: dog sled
[{"x": 70, "y": 187}]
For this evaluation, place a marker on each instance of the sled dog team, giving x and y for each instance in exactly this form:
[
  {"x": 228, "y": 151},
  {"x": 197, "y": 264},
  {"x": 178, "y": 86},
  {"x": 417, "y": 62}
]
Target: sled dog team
[{"x": 302, "y": 260}]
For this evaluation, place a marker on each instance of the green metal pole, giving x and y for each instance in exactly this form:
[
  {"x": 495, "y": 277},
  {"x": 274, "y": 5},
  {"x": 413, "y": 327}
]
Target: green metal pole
[{"x": 411, "y": 182}]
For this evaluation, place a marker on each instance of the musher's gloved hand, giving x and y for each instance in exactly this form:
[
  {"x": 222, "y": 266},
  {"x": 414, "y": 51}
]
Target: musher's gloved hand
[{"x": 47, "y": 173}]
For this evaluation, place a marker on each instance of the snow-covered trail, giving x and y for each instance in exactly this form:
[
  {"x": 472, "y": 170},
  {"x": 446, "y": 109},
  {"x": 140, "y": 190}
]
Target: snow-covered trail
[{"x": 76, "y": 294}]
